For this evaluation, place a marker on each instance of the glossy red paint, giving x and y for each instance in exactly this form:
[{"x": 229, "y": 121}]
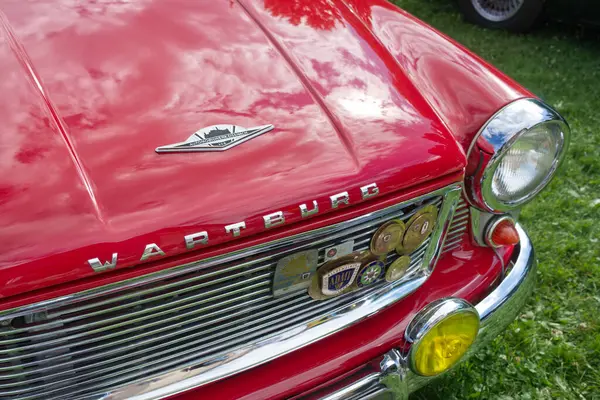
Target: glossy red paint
[
  {"x": 350, "y": 88},
  {"x": 109, "y": 85},
  {"x": 468, "y": 273},
  {"x": 463, "y": 89},
  {"x": 358, "y": 91}
]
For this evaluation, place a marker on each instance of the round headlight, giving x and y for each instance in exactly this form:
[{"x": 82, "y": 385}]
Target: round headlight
[{"x": 527, "y": 141}]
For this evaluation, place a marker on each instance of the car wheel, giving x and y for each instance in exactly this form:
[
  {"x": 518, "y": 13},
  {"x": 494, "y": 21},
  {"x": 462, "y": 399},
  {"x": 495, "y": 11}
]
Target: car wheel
[{"x": 513, "y": 15}]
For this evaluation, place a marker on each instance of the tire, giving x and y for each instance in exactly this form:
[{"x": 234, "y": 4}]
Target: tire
[{"x": 511, "y": 15}]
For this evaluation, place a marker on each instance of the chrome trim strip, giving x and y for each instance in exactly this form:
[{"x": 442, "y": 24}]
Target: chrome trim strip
[
  {"x": 523, "y": 268},
  {"x": 355, "y": 389},
  {"x": 438, "y": 236}
]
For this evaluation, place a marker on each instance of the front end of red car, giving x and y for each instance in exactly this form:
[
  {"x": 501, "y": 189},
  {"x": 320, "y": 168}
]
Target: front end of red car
[{"x": 243, "y": 200}]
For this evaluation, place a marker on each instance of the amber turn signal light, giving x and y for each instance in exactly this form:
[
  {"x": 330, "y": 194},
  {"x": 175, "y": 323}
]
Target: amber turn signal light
[{"x": 502, "y": 232}]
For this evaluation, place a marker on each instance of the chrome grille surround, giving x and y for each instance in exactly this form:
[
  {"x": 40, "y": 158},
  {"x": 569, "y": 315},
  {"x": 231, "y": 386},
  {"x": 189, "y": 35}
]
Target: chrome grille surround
[{"x": 170, "y": 331}]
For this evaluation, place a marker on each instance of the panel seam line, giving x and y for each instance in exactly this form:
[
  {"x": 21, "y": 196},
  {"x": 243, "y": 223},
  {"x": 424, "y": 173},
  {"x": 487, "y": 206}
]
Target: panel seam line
[
  {"x": 23, "y": 58},
  {"x": 305, "y": 82}
]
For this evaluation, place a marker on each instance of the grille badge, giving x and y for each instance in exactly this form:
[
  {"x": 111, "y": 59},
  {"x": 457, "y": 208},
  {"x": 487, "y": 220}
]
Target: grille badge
[
  {"x": 340, "y": 278},
  {"x": 370, "y": 273},
  {"x": 336, "y": 276},
  {"x": 294, "y": 272},
  {"x": 418, "y": 228},
  {"x": 339, "y": 250}
]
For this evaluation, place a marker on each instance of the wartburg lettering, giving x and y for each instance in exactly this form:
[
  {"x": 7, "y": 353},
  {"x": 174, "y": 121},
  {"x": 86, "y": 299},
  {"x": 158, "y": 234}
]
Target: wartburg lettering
[
  {"x": 97, "y": 265},
  {"x": 271, "y": 220}
]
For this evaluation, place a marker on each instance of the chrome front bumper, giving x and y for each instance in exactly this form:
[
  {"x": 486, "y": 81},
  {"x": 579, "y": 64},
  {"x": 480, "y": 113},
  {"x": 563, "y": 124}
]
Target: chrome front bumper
[{"x": 394, "y": 380}]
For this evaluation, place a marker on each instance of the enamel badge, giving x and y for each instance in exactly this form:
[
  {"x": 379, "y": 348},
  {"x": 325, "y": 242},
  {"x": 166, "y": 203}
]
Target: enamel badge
[
  {"x": 338, "y": 279},
  {"x": 370, "y": 273}
]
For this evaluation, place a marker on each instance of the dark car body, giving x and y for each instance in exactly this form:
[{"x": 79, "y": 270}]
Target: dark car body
[
  {"x": 522, "y": 15},
  {"x": 576, "y": 11}
]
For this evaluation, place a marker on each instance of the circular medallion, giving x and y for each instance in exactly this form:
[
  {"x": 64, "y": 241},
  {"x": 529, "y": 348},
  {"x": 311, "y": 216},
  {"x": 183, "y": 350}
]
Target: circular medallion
[
  {"x": 418, "y": 228},
  {"x": 332, "y": 252},
  {"x": 387, "y": 237},
  {"x": 397, "y": 269},
  {"x": 370, "y": 273}
]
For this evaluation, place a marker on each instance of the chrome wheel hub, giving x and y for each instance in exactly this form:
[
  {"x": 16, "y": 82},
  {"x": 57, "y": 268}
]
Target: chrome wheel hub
[{"x": 497, "y": 10}]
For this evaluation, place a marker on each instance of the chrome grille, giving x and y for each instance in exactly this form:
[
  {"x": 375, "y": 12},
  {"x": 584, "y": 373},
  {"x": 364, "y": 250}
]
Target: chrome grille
[
  {"x": 458, "y": 227},
  {"x": 196, "y": 315}
]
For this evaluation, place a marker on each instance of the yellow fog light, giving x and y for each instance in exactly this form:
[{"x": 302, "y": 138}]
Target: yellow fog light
[{"x": 441, "y": 334}]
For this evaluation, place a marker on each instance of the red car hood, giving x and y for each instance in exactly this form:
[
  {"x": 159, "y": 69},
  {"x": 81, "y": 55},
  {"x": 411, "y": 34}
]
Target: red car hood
[{"x": 90, "y": 91}]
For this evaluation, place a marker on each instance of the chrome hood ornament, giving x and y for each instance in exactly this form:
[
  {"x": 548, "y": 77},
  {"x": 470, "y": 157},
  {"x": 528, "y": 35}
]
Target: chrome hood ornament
[{"x": 215, "y": 138}]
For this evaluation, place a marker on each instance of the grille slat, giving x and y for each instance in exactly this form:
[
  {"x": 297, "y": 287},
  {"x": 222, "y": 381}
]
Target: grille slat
[
  {"x": 128, "y": 321},
  {"x": 216, "y": 293},
  {"x": 231, "y": 319},
  {"x": 184, "y": 283},
  {"x": 450, "y": 248},
  {"x": 460, "y": 224},
  {"x": 198, "y": 344},
  {"x": 463, "y": 218},
  {"x": 256, "y": 308},
  {"x": 285, "y": 323},
  {"x": 456, "y": 241},
  {"x": 456, "y": 233},
  {"x": 118, "y": 332},
  {"x": 453, "y": 240},
  {"x": 186, "y": 317},
  {"x": 461, "y": 211},
  {"x": 458, "y": 227},
  {"x": 309, "y": 308}
]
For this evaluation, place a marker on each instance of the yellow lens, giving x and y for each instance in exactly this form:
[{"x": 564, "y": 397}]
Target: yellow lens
[{"x": 445, "y": 343}]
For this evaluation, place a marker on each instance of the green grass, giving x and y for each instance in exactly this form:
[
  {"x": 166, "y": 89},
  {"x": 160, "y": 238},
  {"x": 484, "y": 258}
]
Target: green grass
[{"x": 553, "y": 349}]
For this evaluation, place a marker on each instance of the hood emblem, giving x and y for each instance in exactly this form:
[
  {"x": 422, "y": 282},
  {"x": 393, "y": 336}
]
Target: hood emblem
[{"x": 215, "y": 138}]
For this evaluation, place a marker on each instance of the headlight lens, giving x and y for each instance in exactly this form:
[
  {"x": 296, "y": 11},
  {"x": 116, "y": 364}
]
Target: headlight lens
[
  {"x": 527, "y": 140},
  {"x": 528, "y": 163}
]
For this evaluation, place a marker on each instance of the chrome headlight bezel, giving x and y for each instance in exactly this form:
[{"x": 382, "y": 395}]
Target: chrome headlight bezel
[{"x": 496, "y": 138}]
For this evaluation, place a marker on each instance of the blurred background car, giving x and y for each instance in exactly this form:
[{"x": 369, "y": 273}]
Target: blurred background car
[{"x": 521, "y": 15}]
